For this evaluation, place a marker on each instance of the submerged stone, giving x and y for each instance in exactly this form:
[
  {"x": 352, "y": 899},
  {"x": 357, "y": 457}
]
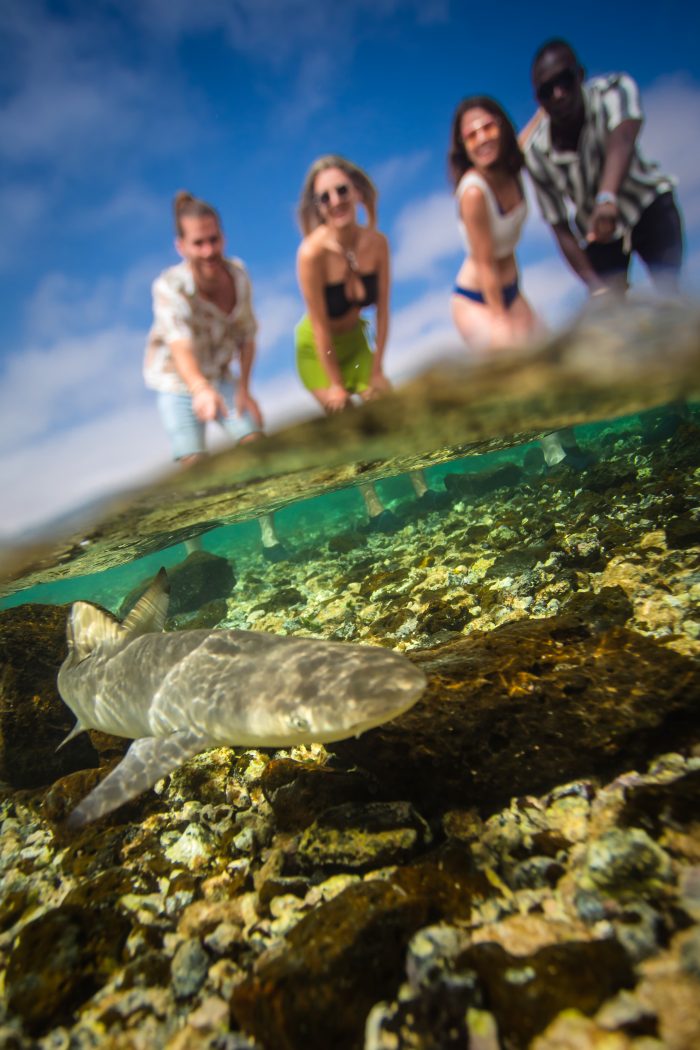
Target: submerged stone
[
  {"x": 59, "y": 960},
  {"x": 299, "y": 792},
  {"x": 316, "y": 990},
  {"x": 33, "y": 718},
  {"x": 528, "y": 706},
  {"x": 201, "y": 578}
]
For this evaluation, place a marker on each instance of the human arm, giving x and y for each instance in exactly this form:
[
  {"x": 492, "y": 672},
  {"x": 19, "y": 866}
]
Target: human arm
[
  {"x": 245, "y": 402},
  {"x": 207, "y": 402},
  {"x": 310, "y": 275},
  {"x": 618, "y": 154},
  {"x": 576, "y": 257},
  {"x": 378, "y": 380}
]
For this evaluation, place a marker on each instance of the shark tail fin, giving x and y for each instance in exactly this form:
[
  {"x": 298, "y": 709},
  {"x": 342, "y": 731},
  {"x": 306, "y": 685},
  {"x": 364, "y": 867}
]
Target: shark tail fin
[
  {"x": 151, "y": 609},
  {"x": 75, "y": 731}
]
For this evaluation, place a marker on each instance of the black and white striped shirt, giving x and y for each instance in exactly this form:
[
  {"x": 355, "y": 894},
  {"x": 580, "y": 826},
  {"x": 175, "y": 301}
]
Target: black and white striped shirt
[{"x": 560, "y": 177}]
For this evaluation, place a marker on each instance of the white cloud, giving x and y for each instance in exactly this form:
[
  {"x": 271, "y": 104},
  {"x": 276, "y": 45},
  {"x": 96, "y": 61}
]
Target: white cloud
[
  {"x": 421, "y": 334},
  {"x": 552, "y": 289},
  {"x": 395, "y": 172},
  {"x": 425, "y": 233},
  {"x": 671, "y": 136},
  {"x": 45, "y": 389}
]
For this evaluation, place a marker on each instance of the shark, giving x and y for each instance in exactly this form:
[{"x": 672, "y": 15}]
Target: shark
[{"x": 178, "y": 693}]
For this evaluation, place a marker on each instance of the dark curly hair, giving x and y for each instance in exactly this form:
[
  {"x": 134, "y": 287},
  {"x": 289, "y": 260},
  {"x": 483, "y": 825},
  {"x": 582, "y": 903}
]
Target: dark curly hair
[{"x": 458, "y": 161}]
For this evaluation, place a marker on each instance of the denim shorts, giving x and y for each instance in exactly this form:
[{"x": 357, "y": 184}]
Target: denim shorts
[{"x": 186, "y": 432}]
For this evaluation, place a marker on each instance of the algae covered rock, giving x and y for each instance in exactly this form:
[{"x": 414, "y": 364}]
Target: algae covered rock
[
  {"x": 59, "y": 960},
  {"x": 199, "y": 579},
  {"x": 316, "y": 990},
  {"x": 355, "y": 837},
  {"x": 33, "y": 718}
]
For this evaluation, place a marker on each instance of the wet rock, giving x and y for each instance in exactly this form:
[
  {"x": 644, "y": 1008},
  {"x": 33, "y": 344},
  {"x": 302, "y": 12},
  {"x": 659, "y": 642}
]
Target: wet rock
[
  {"x": 502, "y": 708},
  {"x": 599, "y": 610},
  {"x": 33, "y": 718},
  {"x": 526, "y": 992},
  {"x": 316, "y": 990},
  {"x": 627, "y": 863},
  {"x": 682, "y": 533},
  {"x": 356, "y": 837},
  {"x": 59, "y": 960},
  {"x": 485, "y": 481},
  {"x": 299, "y": 792},
  {"x": 189, "y": 969},
  {"x": 201, "y": 578}
]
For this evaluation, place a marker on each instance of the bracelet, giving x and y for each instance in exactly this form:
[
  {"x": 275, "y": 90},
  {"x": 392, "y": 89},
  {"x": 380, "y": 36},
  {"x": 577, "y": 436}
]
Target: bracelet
[
  {"x": 199, "y": 385},
  {"x": 606, "y": 197}
]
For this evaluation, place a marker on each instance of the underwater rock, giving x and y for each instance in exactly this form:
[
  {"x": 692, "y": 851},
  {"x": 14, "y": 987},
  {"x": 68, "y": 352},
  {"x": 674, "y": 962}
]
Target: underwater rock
[
  {"x": 525, "y": 992},
  {"x": 503, "y": 708},
  {"x": 607, "y": 607},
  {"x": 59, "y": 960},
  {"x": 33, "y": 718},
  {"x": 355, "y": 837},
  {"x": 626, "y": 862},
  {"x": 201, "y": 578},
  {"x": 484, "y": 482},
  {"x": 189, "y": 969},
  {"x": 682, "y": 533},
  {"x": 299, "y": 792},
  {"x": 335, "y": 963}
]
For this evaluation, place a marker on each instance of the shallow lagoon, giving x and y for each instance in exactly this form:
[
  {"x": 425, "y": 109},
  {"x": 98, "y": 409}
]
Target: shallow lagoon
[{"x": 521, "y": 845}]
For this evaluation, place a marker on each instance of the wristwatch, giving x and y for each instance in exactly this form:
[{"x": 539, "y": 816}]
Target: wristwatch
[{"x": 606, "y": 197}]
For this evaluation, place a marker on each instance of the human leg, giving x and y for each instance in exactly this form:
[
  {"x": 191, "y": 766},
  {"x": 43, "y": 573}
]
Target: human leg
[
  {"x": 658, "y": 240},
  {"x": 184, "y": 430}
]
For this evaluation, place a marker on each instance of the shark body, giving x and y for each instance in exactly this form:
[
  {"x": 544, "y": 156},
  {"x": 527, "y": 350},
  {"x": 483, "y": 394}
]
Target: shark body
[{"x": 178, "y": 693}]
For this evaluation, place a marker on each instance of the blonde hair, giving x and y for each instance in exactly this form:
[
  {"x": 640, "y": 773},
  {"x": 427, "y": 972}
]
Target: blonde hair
[
  {"x": 185, "y": 206},
  {"x": 308, "y": 212}
]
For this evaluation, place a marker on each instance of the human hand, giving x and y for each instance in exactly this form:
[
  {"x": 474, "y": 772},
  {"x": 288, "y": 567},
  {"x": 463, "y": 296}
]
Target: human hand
[
  {"x": 603, "y": 222},
  {"x": 246, "y": 403},
  {"x": 378, "y": 385},
  {"x": 208, "y": 404},
  {"x": 337, "y": 398}
]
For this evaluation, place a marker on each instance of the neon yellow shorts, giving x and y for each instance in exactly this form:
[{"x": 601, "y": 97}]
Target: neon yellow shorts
[{"x": 351, "y": 349}]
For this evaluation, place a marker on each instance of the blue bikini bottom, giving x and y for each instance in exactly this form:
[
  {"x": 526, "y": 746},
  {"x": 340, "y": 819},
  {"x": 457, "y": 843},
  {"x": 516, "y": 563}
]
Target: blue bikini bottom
[{"x": 510, "y": 293}]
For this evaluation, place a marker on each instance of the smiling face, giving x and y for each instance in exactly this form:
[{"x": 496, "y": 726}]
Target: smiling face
[
  {"x": 336, "y": 197},
  {"x": 201, "y": 244},
  {"x": 481, "y": 135}
]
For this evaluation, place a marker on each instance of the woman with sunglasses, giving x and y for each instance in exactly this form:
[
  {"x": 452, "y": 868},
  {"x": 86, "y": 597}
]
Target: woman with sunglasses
[
  {"x": 485, "y": 162},
  {"x": 343, "y": 267}
]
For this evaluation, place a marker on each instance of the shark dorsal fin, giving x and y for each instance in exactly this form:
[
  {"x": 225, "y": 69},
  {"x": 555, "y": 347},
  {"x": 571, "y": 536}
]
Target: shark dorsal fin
[
  {"x": 149, "y": 613},
  {"x": 90, "y": 626}
]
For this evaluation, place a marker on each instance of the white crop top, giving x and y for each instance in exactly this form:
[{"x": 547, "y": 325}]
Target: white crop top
[{"x": 505, "y": 228}]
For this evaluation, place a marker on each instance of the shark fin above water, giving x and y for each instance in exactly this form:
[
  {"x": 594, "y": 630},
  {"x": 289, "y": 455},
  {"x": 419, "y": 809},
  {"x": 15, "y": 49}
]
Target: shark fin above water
[{"x": 148, "y": 759}]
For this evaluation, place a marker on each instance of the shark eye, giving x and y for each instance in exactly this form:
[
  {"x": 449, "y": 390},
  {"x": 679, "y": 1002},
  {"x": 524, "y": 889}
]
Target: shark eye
[{"x": 300, "y": 723}]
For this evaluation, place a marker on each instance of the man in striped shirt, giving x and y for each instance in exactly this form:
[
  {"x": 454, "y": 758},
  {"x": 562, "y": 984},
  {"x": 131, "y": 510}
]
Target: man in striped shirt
[{"x": 584, "y": 153}]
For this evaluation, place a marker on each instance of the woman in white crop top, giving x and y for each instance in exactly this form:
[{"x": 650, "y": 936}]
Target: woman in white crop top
[{"x": 485, "y": 161}]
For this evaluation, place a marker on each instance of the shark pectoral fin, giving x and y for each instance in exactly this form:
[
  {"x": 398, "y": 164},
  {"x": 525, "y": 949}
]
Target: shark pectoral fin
[
  {"x": 151, "y": 609},
  {"x": 75, "y": 731},
  {"x": 147, "y": 760}
]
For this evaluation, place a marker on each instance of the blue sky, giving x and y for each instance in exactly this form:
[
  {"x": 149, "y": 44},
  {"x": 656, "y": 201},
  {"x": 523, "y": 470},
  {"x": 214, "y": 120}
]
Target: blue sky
[{"x": 107, "y": 107}]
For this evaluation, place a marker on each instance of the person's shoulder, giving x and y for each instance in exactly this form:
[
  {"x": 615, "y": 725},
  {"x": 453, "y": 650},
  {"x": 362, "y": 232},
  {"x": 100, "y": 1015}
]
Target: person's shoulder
[
  {"x": 313, "y": 245},
  {"x": 539, "y": 140},
  {"x": 600, "y": 85},
  {"x": 471, "y": 183},
  {"x": 174, "y": 278},
  {"x": 237, "y": 266}
]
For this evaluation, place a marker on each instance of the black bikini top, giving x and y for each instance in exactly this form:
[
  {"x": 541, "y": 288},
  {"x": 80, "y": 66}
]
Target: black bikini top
[{"x": 337, "y": 302}]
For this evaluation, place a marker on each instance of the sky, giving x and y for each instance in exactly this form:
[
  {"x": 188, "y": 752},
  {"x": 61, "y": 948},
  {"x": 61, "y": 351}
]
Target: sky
[{"x": 108, "y": 107}]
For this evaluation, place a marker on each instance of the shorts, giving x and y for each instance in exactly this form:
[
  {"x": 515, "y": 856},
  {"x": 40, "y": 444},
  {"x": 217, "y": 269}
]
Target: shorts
[
  {"x": 510, "y": 293},
  {"x": 657, "y": 239},
  {"x": 186, "y": 432},
  {"x": 352, "y": 351}
]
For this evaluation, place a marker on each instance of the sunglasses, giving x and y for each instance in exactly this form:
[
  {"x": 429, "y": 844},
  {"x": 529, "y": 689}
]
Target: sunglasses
[
  {"x": 341, "y": 193},
  {"x": 565, "y": 80},
  {"x": 488, "y": 129}
]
